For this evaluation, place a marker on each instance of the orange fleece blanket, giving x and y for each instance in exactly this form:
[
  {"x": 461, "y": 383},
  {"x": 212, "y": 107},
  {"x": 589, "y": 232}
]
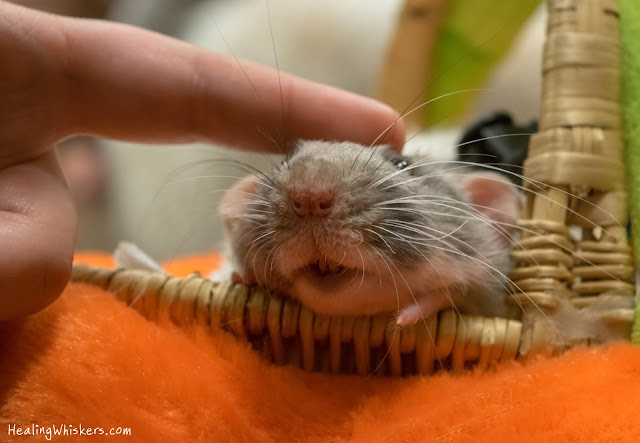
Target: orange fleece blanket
[{"x": 89, "y": 362}]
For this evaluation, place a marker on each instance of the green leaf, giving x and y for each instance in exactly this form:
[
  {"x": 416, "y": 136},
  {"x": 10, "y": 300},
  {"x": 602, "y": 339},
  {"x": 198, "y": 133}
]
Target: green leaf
[{"x": 475, "y": 36}]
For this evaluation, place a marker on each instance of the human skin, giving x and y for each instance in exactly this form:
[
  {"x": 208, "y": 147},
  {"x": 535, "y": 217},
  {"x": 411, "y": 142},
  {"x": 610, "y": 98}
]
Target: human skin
[{"x": 63, "y": 76}]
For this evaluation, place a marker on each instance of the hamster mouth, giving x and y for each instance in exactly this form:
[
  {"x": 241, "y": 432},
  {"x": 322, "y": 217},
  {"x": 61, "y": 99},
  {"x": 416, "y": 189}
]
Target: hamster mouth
[{"x": 326, "y": 274}]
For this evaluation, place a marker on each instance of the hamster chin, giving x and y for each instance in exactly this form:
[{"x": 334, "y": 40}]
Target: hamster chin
[
  {"x": 359, "y": 285},
  {"x": 351, "y": 293}
]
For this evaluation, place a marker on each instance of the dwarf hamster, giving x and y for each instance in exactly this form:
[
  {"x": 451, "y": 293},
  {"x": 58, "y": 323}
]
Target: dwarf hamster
[{"x": 353, "y": 230}]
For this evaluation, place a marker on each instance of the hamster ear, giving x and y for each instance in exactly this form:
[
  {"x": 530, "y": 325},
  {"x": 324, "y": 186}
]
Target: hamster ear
[
  {"x": 234, "y": 203},
  {"x": 233, "y": 208},
  {"x": 495, "y": 196}
]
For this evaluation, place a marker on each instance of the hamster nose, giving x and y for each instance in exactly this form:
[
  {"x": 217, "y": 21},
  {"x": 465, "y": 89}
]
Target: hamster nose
[{"x": 312, "y": 202}]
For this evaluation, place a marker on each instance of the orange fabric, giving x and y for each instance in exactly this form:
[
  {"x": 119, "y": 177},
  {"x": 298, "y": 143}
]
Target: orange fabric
[
  {"x": 205, "y": 263},
  {"x": 88, "y": 360}
]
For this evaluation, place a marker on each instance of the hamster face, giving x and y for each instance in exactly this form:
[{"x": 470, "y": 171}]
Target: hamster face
[{"x": 350, "y": 230}]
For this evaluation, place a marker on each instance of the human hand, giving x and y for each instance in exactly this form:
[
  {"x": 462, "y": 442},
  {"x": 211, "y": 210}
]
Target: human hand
[{"x": 63, "y": 76}]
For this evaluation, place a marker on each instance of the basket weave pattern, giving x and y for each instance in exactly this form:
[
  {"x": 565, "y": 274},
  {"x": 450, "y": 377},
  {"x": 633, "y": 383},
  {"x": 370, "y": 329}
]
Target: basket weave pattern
[
  {"x": 575, "y": 166},
  {"x": 287, "y": 333}
]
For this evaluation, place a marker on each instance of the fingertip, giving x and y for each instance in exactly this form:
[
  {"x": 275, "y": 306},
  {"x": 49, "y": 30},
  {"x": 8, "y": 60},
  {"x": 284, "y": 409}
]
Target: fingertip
[
  {"x": 37, "y": 282},
  {"x": 395, "y": 132},
  {"x": 37, "y": 233},
  {"x": 55, "y": 274}
]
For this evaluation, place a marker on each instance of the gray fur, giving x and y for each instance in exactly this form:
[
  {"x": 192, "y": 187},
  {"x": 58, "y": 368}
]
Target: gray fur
[{"x": 362, "y": 179}]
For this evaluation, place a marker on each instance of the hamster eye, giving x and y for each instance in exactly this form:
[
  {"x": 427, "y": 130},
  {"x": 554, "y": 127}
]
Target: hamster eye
[
  {"x": 396, "y": 159},
  {"x": 399, "y": 163}
]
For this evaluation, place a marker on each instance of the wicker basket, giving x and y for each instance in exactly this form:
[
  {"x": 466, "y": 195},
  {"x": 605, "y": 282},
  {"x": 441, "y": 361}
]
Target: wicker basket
[{"x": 574, "y": 166}]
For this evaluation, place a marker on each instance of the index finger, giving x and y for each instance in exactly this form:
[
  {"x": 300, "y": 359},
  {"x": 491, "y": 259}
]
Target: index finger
[{"x": 127, "y": 83}]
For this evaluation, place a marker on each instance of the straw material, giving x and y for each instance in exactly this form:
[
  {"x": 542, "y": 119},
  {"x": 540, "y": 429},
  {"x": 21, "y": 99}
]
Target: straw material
[
  {"x": 575, "y": 169},
  {"x": 284, "y": 332}
]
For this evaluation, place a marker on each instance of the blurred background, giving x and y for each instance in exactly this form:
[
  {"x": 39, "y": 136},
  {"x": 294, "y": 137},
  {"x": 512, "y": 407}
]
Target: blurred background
[{"x": 164, "y": 197}]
